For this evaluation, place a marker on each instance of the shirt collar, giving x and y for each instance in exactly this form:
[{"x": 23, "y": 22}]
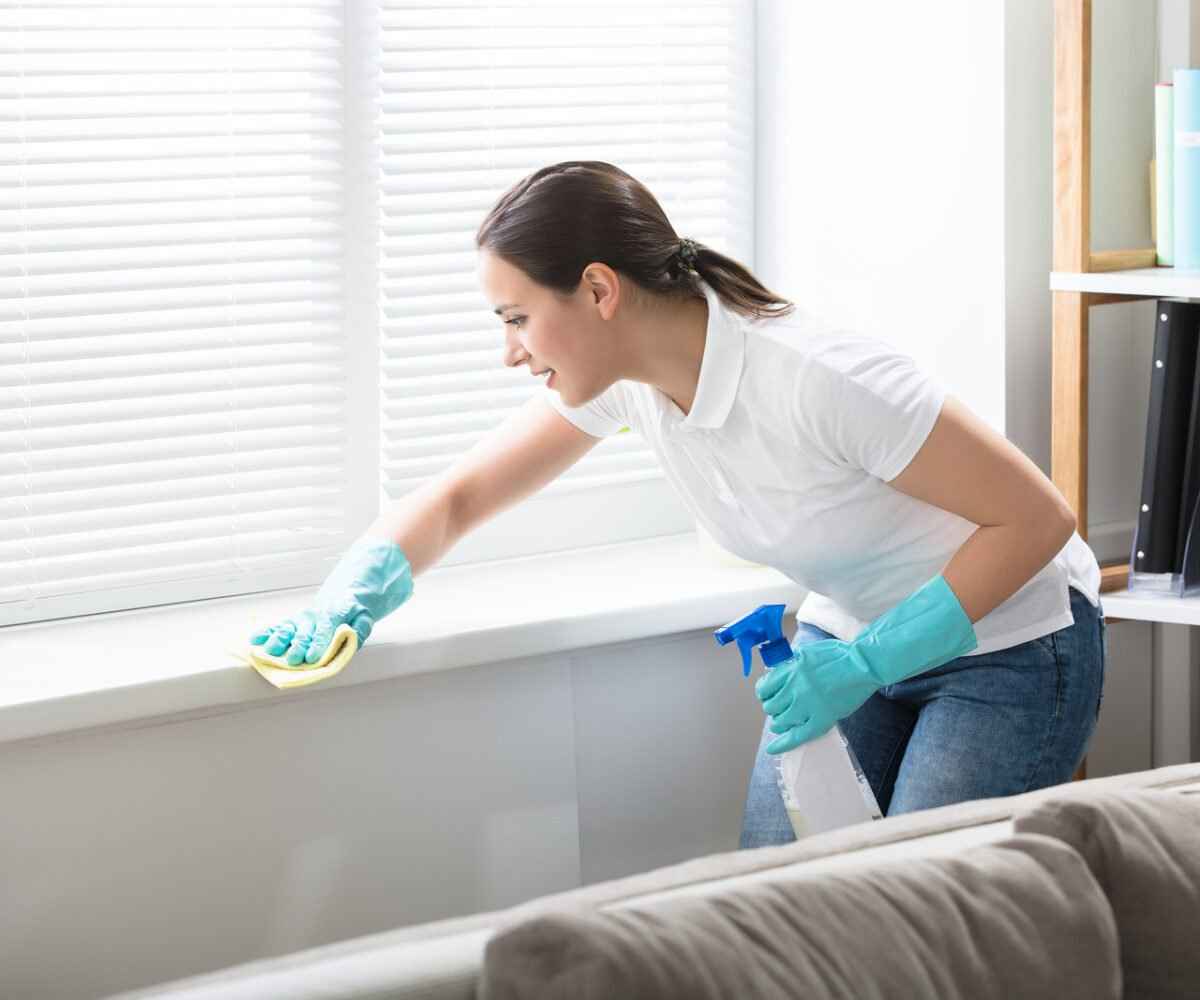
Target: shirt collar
[{"x": 720, "y": 367}]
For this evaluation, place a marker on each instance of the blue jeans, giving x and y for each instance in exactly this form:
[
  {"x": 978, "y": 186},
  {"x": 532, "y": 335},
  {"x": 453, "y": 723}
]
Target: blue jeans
[{"x": 999, "y": 723}]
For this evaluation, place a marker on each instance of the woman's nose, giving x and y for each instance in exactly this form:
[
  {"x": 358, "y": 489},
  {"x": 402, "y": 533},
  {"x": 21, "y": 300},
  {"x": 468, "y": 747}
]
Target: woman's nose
[{"x": 514, "y": 353}]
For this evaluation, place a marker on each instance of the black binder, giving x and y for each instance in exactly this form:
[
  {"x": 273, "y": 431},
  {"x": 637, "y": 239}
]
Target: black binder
[
  {"x": 1190, "y": 491},
  {"x": 1164, "y": 515}
]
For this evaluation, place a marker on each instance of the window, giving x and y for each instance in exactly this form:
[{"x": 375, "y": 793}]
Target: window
[{"x": 239, "y": 306}]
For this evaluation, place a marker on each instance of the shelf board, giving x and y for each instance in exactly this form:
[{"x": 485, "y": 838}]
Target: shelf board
[
  {"x": 1119, "y": 603},
  {"x": 1151, "y": 282},
  {"x": 1149, "y": 608}
]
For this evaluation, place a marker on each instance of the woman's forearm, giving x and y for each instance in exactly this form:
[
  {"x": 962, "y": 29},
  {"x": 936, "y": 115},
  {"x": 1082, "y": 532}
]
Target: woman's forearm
[
  {"x": 998, "y": 560},
  {"x": 423, "y": 524}
]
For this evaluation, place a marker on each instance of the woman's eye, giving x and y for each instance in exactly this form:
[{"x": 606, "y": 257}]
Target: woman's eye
[{"x": 516, "y": 320}]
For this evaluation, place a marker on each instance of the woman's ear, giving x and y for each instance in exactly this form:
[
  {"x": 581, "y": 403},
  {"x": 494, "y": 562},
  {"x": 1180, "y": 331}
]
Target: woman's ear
[{"x": 605, "y": 287}]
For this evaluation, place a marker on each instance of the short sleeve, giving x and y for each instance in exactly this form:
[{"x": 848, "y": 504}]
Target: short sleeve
[
  {"x": 863, "y": 404},
  {"x": 598, "y": 417}
]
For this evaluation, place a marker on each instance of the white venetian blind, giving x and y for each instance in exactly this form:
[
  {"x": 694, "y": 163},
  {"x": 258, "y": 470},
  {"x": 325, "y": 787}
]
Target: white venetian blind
[
  {"x": 171, "y": 337},
  {"x": 474, "y": 96}
]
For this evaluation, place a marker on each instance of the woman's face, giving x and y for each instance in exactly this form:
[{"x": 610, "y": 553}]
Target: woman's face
[{"x": 546, "y": 331}]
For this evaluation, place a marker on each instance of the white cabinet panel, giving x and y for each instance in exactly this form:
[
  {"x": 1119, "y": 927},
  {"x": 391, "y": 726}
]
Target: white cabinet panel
[
  {"x": 172, "y": 849},
  {"x": 667, "y": 732},
  {"x": 1122, "y": 741}
]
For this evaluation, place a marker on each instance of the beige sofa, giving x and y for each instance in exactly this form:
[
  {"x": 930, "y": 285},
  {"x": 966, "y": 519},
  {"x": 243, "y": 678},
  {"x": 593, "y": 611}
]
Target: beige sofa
[{"x": 1089, "y": 889}]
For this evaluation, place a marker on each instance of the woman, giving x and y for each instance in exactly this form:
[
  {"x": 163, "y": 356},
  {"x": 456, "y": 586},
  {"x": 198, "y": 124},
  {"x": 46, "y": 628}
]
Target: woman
[{"x": 953, "y": 624}]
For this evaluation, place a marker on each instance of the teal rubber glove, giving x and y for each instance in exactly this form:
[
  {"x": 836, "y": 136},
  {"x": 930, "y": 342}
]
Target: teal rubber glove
[
  {"x": 825, "y": 681},
  {"x": 372, "y": 580}
]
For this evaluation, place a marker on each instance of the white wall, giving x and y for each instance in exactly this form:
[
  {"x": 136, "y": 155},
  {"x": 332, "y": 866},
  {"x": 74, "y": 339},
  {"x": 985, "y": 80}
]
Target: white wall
[{"x": 881, "y": 177}]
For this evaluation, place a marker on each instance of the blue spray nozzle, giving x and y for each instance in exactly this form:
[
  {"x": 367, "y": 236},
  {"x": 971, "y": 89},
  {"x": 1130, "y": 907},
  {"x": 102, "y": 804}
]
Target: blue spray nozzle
[{"x": 763, "y": 627}]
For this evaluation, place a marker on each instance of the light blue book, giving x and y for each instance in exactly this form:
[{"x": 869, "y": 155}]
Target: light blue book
[
  {"x": 1187, "y": 168},
  {"x": 1164, "y": 173}
]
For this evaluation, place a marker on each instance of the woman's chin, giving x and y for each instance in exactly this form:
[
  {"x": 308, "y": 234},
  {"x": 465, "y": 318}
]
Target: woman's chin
[{"x": 555, "y": 383}]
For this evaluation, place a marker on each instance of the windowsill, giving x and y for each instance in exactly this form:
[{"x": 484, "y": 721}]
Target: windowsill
[{"x": 127, "y": 668}]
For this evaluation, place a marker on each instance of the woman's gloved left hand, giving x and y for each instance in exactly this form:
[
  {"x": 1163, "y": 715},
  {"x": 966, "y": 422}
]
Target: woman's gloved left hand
[{"x": 825, "y": 681}]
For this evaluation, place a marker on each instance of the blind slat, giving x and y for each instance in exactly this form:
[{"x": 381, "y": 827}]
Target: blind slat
[
  {"x": 112, "y": 238},
  {"x": 170, "y": 380},
  {"x": 160, "y": 171},
  {"x": 67, "y": 446},
  {"x": 126, "y": 528},
  {"x": 17, "y": 208},
  {"x": 61, "y": 424},
  {"x": 227, "y": 315},
  {"x": 158, "y": 500},
  {"x": 111, "y": 260},
  {"x": 223, "y": 275},
  {"x": 119, "y": 469},
  {"x": 154, "y": 566},
  {"x": 166, "y": 300},
  {"x": 132, "y": 153},
  {"x": 198, "y": 567}
]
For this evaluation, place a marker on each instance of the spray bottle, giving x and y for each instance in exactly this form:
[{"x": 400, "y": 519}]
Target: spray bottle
[{"x": 823, "y": 787}]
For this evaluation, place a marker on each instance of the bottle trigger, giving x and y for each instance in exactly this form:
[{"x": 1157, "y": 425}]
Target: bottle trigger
[{"x": 761, "y": 628}]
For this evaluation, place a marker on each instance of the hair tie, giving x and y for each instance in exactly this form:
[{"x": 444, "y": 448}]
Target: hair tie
[{"x": 687, "y": 252}]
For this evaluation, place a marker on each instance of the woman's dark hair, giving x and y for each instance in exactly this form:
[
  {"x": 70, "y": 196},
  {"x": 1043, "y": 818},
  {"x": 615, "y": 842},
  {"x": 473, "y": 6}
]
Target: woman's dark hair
[{"x": 561, "y": 218}]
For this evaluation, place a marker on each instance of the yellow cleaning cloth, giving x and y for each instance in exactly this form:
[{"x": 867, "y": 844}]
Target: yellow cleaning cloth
[{"x": 279, "y": 672}]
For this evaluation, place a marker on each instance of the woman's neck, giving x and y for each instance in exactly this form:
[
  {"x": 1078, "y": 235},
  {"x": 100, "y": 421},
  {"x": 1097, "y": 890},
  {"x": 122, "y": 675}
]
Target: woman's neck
[{"x": 668, "y": 348}]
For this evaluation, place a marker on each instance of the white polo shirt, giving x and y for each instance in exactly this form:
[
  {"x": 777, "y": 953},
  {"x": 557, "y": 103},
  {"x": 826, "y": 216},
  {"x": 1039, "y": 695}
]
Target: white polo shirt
[{"x": 785, "y": 456}]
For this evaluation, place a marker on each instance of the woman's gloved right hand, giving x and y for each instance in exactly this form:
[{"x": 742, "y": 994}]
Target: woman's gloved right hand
[{"x": 372, "y": 580}]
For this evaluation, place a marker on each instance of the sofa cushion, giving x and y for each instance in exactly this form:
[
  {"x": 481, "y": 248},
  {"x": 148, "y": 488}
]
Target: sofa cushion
[
  {"x": 1144, "y": 849},
  {"x": 1022, "y": 917}
]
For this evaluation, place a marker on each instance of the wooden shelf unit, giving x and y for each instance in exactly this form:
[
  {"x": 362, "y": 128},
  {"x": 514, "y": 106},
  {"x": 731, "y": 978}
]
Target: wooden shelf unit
[{"x": 1081, "y": 279}]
